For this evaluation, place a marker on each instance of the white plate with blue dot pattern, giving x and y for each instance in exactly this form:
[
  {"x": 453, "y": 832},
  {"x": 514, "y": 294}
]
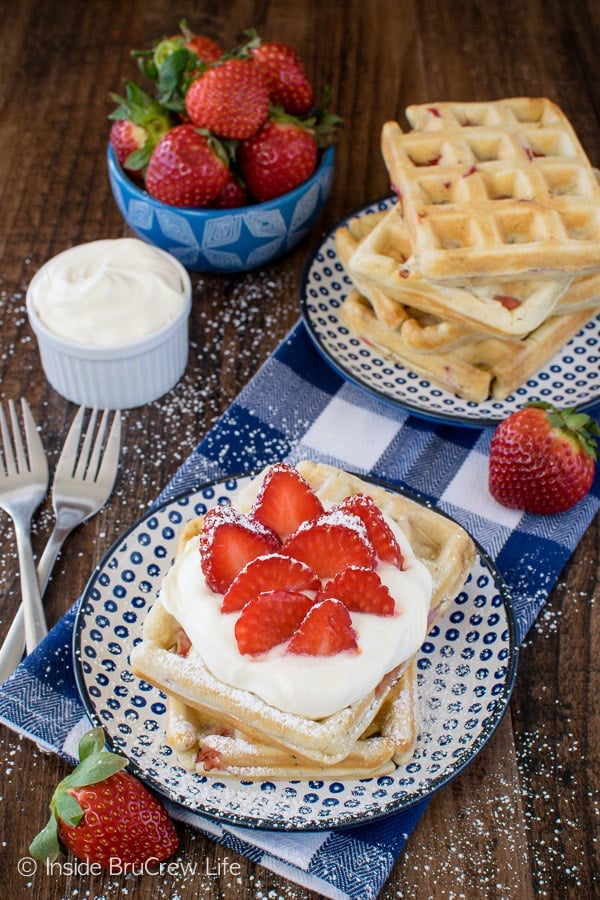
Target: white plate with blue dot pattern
[
  {"x": 571, "y": 378},
  {"x": 466, "y": 670}
]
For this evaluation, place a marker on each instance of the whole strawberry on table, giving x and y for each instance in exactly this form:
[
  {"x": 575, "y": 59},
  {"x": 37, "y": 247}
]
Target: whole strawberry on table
[
  {"x": 105, "y": 815},
  {"x": 543, "y": 459},
  {"x": 220, "y": 129}
]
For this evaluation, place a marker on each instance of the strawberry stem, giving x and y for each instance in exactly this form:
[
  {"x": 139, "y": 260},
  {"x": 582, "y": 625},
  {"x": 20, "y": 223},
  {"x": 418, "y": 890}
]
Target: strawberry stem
[{"x": 572, "y": 423}]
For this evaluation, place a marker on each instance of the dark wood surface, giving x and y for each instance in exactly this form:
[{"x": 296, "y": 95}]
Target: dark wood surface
[{"x": 521, "y": 821}]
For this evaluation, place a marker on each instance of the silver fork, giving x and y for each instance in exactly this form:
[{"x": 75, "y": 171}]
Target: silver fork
[
  {"x": 23, "y": 486},
  {"x": 84, "y": 479}
]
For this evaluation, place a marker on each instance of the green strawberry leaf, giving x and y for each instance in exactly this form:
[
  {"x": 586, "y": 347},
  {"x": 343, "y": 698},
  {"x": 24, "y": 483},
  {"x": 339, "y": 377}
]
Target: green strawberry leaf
[
  {"x": 67, "y": 808},
  {"x": 46, "y": 844},
  {"x": 146, "y": 64},
  {"x": 94, "y": 768},
  {"x": 139, "y": 159},
  {"x": 91, "y": 742}
]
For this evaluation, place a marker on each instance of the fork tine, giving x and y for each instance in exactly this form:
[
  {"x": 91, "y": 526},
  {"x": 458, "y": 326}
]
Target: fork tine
[
  {"x": 18, "y": 448},
  {"x": 92, "y": 470},
  {"x": 7, "y": 456},
  {"x": 35, "y": 448},
  {"x": 7, "y": 447},
  {"x": 110, "y": 460},
  {"x": 68, "y": 457},
  {"x": 84, "y": 451}
]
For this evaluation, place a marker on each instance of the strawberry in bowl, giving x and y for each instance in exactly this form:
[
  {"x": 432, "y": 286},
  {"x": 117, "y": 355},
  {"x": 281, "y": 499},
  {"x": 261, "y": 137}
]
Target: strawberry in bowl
[{"x": 226, "y": 162}]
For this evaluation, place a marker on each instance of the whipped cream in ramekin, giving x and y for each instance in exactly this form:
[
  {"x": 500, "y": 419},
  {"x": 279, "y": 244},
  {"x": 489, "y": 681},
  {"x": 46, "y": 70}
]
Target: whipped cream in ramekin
[
  {"x": 108, "y": 292},
  {"x": 309, "y": 686}
]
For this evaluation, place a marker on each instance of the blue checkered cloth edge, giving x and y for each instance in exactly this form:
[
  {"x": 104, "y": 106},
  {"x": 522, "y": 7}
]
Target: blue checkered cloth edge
[{"x": 297, "y": 407}]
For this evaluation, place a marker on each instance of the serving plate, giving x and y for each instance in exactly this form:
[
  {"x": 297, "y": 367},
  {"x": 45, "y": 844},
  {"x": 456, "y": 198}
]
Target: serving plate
[
  {"x": 571, "y": 378},
  {"x": 466, "y": 670}
]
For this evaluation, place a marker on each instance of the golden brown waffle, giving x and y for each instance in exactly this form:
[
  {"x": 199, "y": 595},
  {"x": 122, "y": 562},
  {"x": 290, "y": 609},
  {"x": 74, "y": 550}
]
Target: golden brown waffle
[
  {"x": 478, "y": 370},
  {"x": 495, "y": 190},
  {"x": 382, "y": 259},
  {"x": 468, "y": 363},
  {"x": 210, "y": 747},
  {"x": 203, "y": 711}
]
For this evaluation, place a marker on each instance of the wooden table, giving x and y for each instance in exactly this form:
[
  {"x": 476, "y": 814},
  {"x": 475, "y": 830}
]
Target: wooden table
[{"x": 520, "y": 821}]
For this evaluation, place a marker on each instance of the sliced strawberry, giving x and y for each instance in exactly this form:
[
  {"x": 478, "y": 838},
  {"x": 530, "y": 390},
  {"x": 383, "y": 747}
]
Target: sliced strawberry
[
  {"x": 330, "y": 543},
  {"x": 266, "y": 573},
  {"x": 378, "y": 531},
  {"x": 326, "y": 630},
  {"x": 228, "y": 541},
  {"x": 360, "y": 590},
  {"x": 285, "y": 500},
  {"x": 269, "y": 619}
]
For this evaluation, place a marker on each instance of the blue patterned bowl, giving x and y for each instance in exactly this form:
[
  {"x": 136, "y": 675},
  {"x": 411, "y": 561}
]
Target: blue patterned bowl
[{"x": 231, "y": 240}]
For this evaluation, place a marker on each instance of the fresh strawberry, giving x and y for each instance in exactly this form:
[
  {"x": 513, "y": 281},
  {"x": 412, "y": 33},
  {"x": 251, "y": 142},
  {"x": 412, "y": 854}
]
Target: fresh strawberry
[
  {"x": 285, "y": 500},
  {"x": 542, "y": 459},
  {"x": 279, "y": 157},
  {"x": 138, "y": 123},
  {"x": 203, "y": 48},
  {"x": 330, "y": 543},
  {"x": 378, "y": 531},
  {"x": 266, "y": 573},
  {"x": 126, "y": 139},
  {"x": 230, "y": 98},
  {"x": 234, "y": 194},
  {"x": 360, "y": 590},
  {"x": 326, "y": 630},
  {"x": 207, "y": 50},
  {"x": 269, "y": 619},
  {"x": 228, "y": 541},
  {"x": 187, "y": 168},
  {"x": 104, "y": 815},
  {"x": 282, "y": 67},
  {"x": 173, "y": 63}
]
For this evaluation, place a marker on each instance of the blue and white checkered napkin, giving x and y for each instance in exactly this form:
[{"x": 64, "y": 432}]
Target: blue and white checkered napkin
[{"x": 297, "y": 407}]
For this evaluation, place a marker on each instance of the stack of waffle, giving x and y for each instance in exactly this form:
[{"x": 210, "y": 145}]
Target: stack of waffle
[{"x": 490, "y": 260}]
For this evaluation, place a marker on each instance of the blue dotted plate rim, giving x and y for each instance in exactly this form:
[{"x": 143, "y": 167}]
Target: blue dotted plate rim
[
  {"x": 303, "y": 823},
  {"x": 420, "y": 407}
]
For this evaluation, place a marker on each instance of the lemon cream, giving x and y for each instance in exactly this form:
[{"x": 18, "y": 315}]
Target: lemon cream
[
  {"x": 109, "y": 292},
  {"x": 309, "y": 686}
]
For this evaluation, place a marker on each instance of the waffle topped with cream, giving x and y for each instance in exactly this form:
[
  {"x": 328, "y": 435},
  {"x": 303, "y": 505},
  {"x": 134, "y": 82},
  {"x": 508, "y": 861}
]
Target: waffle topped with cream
[{"x": 287, "y": 627}]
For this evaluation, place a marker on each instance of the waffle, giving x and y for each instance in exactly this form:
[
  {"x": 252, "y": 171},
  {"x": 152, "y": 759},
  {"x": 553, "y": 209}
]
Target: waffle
[
  {"x": 208, "y": 747},
  {"x": 383, "y": 260},
  {"x": 468, "y": 363},
  {"x": 476, "y": 371},
  {"x": 495, "y": 190},
  {"x": 220, "y": 729}
]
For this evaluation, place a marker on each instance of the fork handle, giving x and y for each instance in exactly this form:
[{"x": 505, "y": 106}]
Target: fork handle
[
  {"x": 33, "y": 611},
  {"x": 51, "y": 551},
  {"x": 14, "y": 644}
]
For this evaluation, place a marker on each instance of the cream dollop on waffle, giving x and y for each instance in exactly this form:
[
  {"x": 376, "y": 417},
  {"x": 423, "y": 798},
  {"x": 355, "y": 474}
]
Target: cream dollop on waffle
[{"x": 310, "y": 686}]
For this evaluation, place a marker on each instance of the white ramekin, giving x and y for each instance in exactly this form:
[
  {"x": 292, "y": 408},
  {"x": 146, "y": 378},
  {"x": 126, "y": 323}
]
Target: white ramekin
[{"x": 120, "y": 377}]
